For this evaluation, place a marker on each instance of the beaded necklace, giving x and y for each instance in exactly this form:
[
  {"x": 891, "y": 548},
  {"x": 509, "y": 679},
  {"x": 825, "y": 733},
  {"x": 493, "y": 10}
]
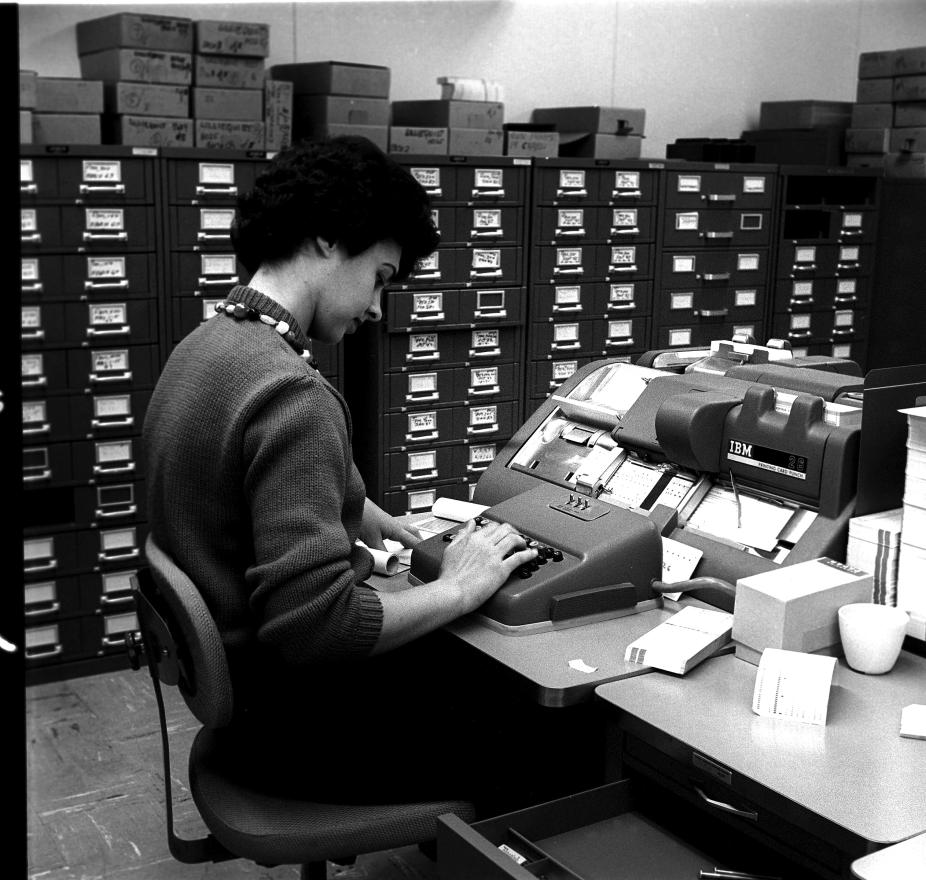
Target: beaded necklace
[{"x": 240, "y": 311}]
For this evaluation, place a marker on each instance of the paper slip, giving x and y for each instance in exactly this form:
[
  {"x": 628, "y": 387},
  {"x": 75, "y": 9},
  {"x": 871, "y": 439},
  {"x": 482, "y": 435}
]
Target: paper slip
[
  {"x": 913, "y": 721},
  {"x": 678, "y": 562},
  {"x": 684, "y": 640},
  {"x": 791, "y": 684},
  {"x": 458, "y": 511}
]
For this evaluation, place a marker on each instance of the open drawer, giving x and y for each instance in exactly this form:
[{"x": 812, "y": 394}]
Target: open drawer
[{"x": 594, "y": 835}]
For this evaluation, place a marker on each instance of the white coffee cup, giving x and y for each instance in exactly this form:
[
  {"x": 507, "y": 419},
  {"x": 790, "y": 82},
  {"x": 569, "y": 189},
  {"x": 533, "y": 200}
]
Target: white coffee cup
[{"x": 872, "y": 635}]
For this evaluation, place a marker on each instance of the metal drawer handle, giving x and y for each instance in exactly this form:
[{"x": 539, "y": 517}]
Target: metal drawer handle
[
  {"x": 717, "y": 235},
  {"x": 217, "y": 190},
  {"x": 488, "y": 193},
  {"x": 217, "y": 282},
  {"x": 46, "y": 566},
  {"x": 34, "y": 238},
  {"x": 622, "y": 307},
  {"x": 565, "y": 346},
  {"x": 436, "y": 191},
  {"x": 802, "y": 334},
  {"x": 435, "y": 316},
  {"x": 121, "y": 377},
  {"x": 131, "y": 510},
  {"x": 38, "y": 287},
  {"x": 612, "y": 269},
  {"x": 485, "y": 392},
  {"x": 845, "y": 300},
  {"x": 843, "y": 331},
  {"x": 613, "y": 343},
  {"x": 486, "y": 233},
  {"x": 628, "y": 231},
  {"x": 29, "y": 189},
  {"x": 107, "y": 285},
  {"x": 105, "y": 236},
  {"x": 35, "y": 478},
  {"x": 38, "y": 655},
  {"x": 429, "y": 356},
  {"x": 213, "y": 236},
  {"x": 51, "y": 608},
  {"x": 499, "y": 313},
  {"x": 85, "y": 189},
  {"x": 711, "y": 313},
  {"x": 476, "y": 470},
  {"x": 432, "y": 475},
  {"x": 414, "y": 438},
  {"x": 853, "y": 265},
  {"x": 804, "y": 267},
  {"x": 715, "y": 276},
  {"x": 34, "y": 336},
  {"x": 425, "y": 276},
  {"x": 119, "y": 557},
  {"x": 564, "y": 309},
  {"x": 115, "y": 423},
  {"x": 44, "y": 428},
  {"x": 427, "y": 398},
  {"x": 93, "y": 333},
  {"x": 114, "y": 470},
  {"x": 572, "y": 193},
  {"x": 490, "y": 353},
  {"x": 490, "y": 429},
  {"x": 488, "y": 273},
  {"x": 115, "y": 600},
  {"x": 727, "y": 808},
  {"x": 113, "y": 641},
  {"x": 576, "y": 270},
  {"x": 566, "y": 233},
  {"x": 626, "y": 194},
  {"x": 38, "y": 382},
  {"x": 720, "y": 197},
  {"x": 850, "y": 231}
]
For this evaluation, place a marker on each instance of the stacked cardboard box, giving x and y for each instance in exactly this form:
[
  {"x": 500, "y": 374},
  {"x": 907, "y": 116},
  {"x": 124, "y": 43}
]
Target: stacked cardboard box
[
  {"x": 596, "y": 132},
  {"x": 472, "y": 128},
  {"x": 888, "y": 127},
  {"x": 803, "y": 132},
  {"x": 67, "y": 110},
  {"x": 27, "y": 90},
  {"x": 227, "y": 100},
  {"x": 335, "y": 97},
  {"x": 144, "y": 65}
]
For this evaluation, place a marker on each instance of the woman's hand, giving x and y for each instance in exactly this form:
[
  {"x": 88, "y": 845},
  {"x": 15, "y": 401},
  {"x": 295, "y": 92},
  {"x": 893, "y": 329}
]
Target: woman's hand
[{"x": 378, "y": 525}]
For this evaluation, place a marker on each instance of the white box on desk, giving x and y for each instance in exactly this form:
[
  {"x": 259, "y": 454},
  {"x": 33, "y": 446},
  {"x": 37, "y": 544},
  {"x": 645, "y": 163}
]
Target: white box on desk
[{"x": 794, "y": 607}]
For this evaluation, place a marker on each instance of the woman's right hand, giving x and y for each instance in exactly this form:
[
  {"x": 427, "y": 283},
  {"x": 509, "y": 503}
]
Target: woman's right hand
[{"x": 480, "y": 560}]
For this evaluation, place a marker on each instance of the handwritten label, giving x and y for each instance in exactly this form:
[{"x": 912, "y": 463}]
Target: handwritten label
[
  {"x": 111, "y": 313},
  {"x": 849, "y": 254},
  {"x": 482, "y": 453},
  {"x": 747, "y": 262},
  {"x": 805, "y": 254},
  {"x": 800, "y": 322},
  {"x": 841, "y": 351},
  {"x": 112, "y": 405},
  {"x": 681, "y": 301},
  {"x": 483, "y": 415},
  {"x": 572, "y": 179},
  {"x": 624, "y": 217},
  {"x": 427, "y": 302},
  {"x": 802, "y": 289},
  {"x": 744, "y": 297},
  {"x": 844, "y": 318},
  {"x": 483, "y": 376},
  {"x": 26, "y": 173},
  {"x": 683, "y": 264},
  {"x": 34, "y": 411},
  {"x": 429, "y": 178},
  {"x": 217, "y": 264},
  {"x": 32, "y": 365},
  {"x": 31, "y": 317},
  {"x": 29, "y": 270},
  {"x": 489, "y": 178},
  {"x": 753, "y": 184},
  {"x": 846, "y": 285},
  {"x": 98, "y": 171},
  {"x": 622, "y": 293},
  {"x": 623, "y": 256},
  {"x": 422, "y": 342},
  {"x": 687, "y": 221},
  {"x": 428, "y": 264},
  {"x": 564, "y": 369},
  {"x": 110, "y": 360},
  {"x": 106, "y": 267},
  {"x": 422, "y": 461},
  {"x": 570, "y": 218},
  {"x": 851, "y": 221},
  {"x": 487, "y": 259},
  {"x": 424, "y": 421},
  {"x": 689, "y": 183},
  {"x": 485, "y": 339},
  {"x": 626, "y": 180},
  {"x": 104, "y": 218},
  {"x": 569, "y": 256},
  {"x": 28, "y": 220},
  {"x": 419, "y": 383},
  {"x": 487, "y": 219},
  {"x": 216, "y": 173},
  {"x": 570, "y": 295},
  {"x": 565, "y": 332}
]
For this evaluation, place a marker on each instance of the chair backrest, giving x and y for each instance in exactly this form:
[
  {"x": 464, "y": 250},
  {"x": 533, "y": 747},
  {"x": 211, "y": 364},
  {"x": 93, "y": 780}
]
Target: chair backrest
[{"x": 181, "y": 638}]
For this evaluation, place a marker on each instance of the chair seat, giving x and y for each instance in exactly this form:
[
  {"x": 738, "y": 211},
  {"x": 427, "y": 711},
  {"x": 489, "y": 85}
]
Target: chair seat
[{"x": 275, "y": 830}]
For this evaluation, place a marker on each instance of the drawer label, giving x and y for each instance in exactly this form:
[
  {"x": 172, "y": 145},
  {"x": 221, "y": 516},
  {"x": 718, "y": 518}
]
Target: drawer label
[
  {"x": 805, "y": 254},
  {"x": 852, "y": 221},
  {"x": 487, "y": 259},
  {"x": 622, "y": 293},
  {"x": 104, "y": 218},
  {"x": 570, "y": 218},
  {"x": 849, "y": 254},
  {"x": 26, "y": 174},
  {"x": 419, "y": 383},
  {"x": 422, "y": 461},
  {"x": 112, "y": 451},
  {"x": 29, "y": 269},
  {"x": 680, "y": 337},
  {"x": 34, "y": 411},
  {"x": 681, "y": 301},
  {"x": 217, "y": 264},
  {"x": 753, "y": 184},
  {"x": 429, "y": 178},
  {"x": 620, "y": 329},
  {"x": 627, "y": 180},
  {"x": 572, "y": 178},
  {"x": 106, "y": 267},
  {"x": 485, "y": 339},
  {"x": 624, "y": 218},
  {"x": 422, "y": 342},
  {"x": 747, "y": 262},
  {"x": 800, "y": 322},
  {"x": 844, "y": 318},
  {"x": 744, "y": 297},
  {"x": 112, "y": 405},
  {"x": 428, "y": 264},
  {"x": 688, "y": 183},
  {"x": 116, "y": 582},
  {"x": 569, "y": 256},
  {"x": 487, "y": 219},
  {"x": 99, "y": 171},
  {"x": 423, "y": 421},
  {"x": 31, "y": 317},
  {"x": 41, "y": 594},
  {"x": 567, "y": 295},
  {"x": 686, "y": 221},
  {"x": 214, "y": 173},
  {"x": 482, "y": 453},
  {"x": 623, "y": 256},
  {"x": 111, "y": 313},
  {"x": 751, "y": 222},
  {"x": 847, "y": 285},
  {"x": 483, "y": 415},
  {"x": 489, "y": 178},
  {"x": 842, "y": 351},
  {"x": 565, "y": 332},
  {"x": 684, "y": 263},
  {"x": 28, "y": 220},
  {"x": 564, "y": 369},
  {"x": 110, "y": 360},
  {"x": 744, "y": 329},
  {"x": 32, "y": 365},
  {"x": 480, "y": 377},
  {"x": 801, "y": 289},
  {"x": 38, "y": 548},
  {"x": 216, "y": 218},
  {"x": 427, "y": 302},
  {"x": 423, "y": 500}
]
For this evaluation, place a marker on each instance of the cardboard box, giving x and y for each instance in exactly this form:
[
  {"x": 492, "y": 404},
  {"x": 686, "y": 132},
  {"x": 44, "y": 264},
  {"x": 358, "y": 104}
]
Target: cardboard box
[
  {"x": 872, "y": 115},
  {"x": 378, "y": 134},
  {"x": 228, "y": 72},
  {"x": 909, "y": 88},
  {"x": 875, "y": 91},
  {"x": 27, "y": 89},
  {"x": 475, "y": 142},
  {"x": 868, "y": 140},
  {"x": 131, "y": 30},
  {"x": 278, "y": 114},
  {"x": 146, "y": 99},
  {"x": 228, "y": 134},
  {"x": 413, "y": 141},
  {"x": 449, "y": 114},
  {"x": 25, "y": 126},
  {"x": 240, "y": 38},
  {"x": 531, "y": 143},
  {"x": 68, "y": 95},
  {"x": 210, "y": 103},
  {"x": 66, "y": 128},
  {"x": 908, "y": 140},
  {"x": 805, "y": 114},
  {"x": 905, "y": 165},
  {"x": 874, "y": 64},
  {"x": 138, "y": 65},
  {"x": 909, "y": 114},
  {"x": 339, "y": 110},
  {"x": 866, "y": 160},
  {"x": 799, "y": 146},
  {"x": 909, "y": 62},
  {"x": 601, "y": 146},
  {"x": 603, "y": 120},
  {"x": 335, "y": 78},
  {"x": 148, "y": 131},
  {"x": 795, "y": 607}
]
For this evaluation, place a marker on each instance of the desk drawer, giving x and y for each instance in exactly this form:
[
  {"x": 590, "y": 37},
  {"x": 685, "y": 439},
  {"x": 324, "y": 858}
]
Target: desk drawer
[{"x": 737, "y": 801}]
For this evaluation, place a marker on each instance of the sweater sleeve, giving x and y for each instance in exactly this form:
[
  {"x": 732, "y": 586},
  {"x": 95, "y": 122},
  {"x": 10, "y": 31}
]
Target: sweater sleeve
[{"x": 302, "y": 492}]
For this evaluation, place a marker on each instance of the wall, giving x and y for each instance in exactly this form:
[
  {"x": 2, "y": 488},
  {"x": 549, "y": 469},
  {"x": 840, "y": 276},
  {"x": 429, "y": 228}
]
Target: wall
[{"x": 699, "y": 67}]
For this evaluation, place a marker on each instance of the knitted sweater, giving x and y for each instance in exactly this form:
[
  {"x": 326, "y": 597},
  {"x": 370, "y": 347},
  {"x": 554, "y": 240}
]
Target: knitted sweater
[{"x": 252, "y": 490}]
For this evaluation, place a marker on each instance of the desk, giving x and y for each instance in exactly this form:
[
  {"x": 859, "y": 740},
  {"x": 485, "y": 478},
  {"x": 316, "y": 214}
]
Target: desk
[
  {"x": 854, "y": 783},
  {"x": 902, "y": 861}
]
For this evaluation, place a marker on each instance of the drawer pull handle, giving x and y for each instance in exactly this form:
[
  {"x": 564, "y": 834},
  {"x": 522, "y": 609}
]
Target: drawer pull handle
[
  {"x": 489, "y": 429},
  {"x": 711, "y": 313},
  {"x": 213, "y": 236},
  {"x": 850, "y": 232},
  {"x": 434, "y": 316},
  {"x": 853, "y": 265},
  {"x": 107, "y": 285},
  {"x": 131, "y": 510},
  {"x": 715, "y": 276},
  {"x": 491, "y": 353},
  {"x": 38, "y": 382},
  {"x": 32, "y": 288},
  {"x": 435, "y": 191},
  {"x": 476, "y": 470},
  {"x": 804, "y": 267},
  {"x": 118, "y": 557},
  {"x": 799, "y": 334},
  {"x": 569, "y": 233},
  {"x": 32, "y": 654},
  {"x": 34, "y": 238},
  {"x": 576, "y": 270},
  {"x": 626, "y": 194},
  {"x": 93, "y": 333},
  {"x": 425, "y": 276},
  {"x": 425, "y": 398},
  {"x": 29, "y": 189},
  {"x": 417, "y": 438},
  {"x": 114, "y": 423},
  {"x": 34, "y": 336},
  {"x": 613, "y": 269},
  {"x": 727, "y": 808},
  {"x": 44, "y": 428},
  {"x": 485, "y": 392},
  {"x": 614, "y": 343},
  {"x": 621, "y": 307},
  {"x": 37, "y": 478},
  {"x": 105, "y": 236},
  {"x": 487, "y": 273},
  {"x": 488, "y": 193},
  {"x": 428, "y": 356},
  {"x": 486, "y": 233},
  {"x": 116, "y": 600},
  {"x": 565, "y": 346},
  {"x": 572, "y": 193},
  {"x": 633, "y": 230},
  {"x": 217, "y": 190},
  {"x": 230, "y": 281},
  {"x": 721, "y": 197},
  {"x": 50, "y": 608},
  {"x": 498, "y": 314},
  {"x": 125, "y": 376},
  {"x": 845, "y": 300},
  {"x": 557, "y": 310},
  {"x": 717, "y": 235},
  {"x": 84, "y": 189},
  {"x": 843, "y": 331},
  {"x": 50, "y": 565},
  {"x": 431, "y": 475},
  {"x": 127, "y": 469}
]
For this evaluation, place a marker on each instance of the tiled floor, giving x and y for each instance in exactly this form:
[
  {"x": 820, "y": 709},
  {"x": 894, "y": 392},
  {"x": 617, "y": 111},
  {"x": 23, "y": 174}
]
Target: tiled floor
[{"x": 95, "y": 797}]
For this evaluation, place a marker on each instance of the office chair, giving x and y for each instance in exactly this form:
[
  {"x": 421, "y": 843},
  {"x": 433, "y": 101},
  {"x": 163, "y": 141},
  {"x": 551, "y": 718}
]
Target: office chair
[{"x": 180, "y": 643}]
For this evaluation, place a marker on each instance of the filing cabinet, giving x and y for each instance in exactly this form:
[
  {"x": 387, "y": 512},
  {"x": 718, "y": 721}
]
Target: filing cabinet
[
  {"x": 715, "y": 249},
  {"x": 91, "y": 333},
  {"x": 593, "y": 261},
  {"x": 825, "y": 260},
  {"x": 437, "y": 387}
]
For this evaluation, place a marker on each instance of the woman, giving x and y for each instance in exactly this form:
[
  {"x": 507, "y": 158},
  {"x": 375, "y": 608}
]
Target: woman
[{"x": 251, "y": 485}]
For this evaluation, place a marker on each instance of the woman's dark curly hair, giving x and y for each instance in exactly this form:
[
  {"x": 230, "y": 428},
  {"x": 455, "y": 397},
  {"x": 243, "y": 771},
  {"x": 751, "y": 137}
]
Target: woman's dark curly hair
[{"x": 342, "y": 189}]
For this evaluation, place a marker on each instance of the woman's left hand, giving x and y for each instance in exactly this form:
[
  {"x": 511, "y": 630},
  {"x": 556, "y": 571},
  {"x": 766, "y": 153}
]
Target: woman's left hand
[{"x": 378, "y": 525}]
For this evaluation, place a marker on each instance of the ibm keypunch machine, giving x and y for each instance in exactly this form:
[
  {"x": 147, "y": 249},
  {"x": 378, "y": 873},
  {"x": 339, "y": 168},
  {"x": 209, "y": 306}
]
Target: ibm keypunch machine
[{"x": 741, "y": 452}]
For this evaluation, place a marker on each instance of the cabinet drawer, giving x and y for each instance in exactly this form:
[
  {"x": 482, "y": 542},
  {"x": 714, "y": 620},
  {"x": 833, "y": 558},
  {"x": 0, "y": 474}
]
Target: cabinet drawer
[
  {"x": 112, "y": 321},
  {"x": 453, "y": 347},
  {"x": 116, "y": 367},
  {"x": 201, "y": 227},
  {"x": 102, "y": 415},
  {"x": 45, "y": 419},
  {"x": 559, "y": 224},
  {"x": 403, "y": 502},
  {"x": 113, "y": 180},
  {"x": 834, "y": 325},
  {"x": 704, "y": 332},
  {"x": 718, "y": 303},
  {"x": 569, "y": 262},
  {"x": 111, "y": 460},
  {"x": 814, "y": 294},
  {"x": 47, "y": 464},
  {"x": 109, "y": 503},
  {"x": 104, "y": 591},
  {"x": 206, "y": 274},
  {"x": 46, "y": 556},
  {"x": 210, "y": 180},
  {"x": 105, "y": 633},
  {"x": 50, "y": 599},
  {"x": 38, "y": 178},
  {"x": 408, "y": 468},
  {"x": 53, "y": 642},
  {"x": 40, "y": 227},
  {"x": 111, "y": 548},
  {"x": 545, "y": 376},
  {"x": 43, "y": 371},
  {"x": 488, "y": 382},
  {"x": 480, "y": 224},
  {"x": 562, "y": 182},
  {"x": 811, "y": 260},
  {"x": 698, "y": 188},
  {"x": 626, "y": 297},
  {"x": 714, "y": 267},
  {"x": 100, "y": 227},
  {"x": 559, "y": 338},
  {"x": 717, "y": 228}
]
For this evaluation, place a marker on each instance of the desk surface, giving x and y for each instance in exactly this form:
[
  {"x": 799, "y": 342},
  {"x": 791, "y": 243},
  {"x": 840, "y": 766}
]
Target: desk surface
[{"x": 856, "y": 771}]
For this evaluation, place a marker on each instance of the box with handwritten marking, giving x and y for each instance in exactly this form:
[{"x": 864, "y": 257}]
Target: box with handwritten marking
[{"x": 794, "y": 607}]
